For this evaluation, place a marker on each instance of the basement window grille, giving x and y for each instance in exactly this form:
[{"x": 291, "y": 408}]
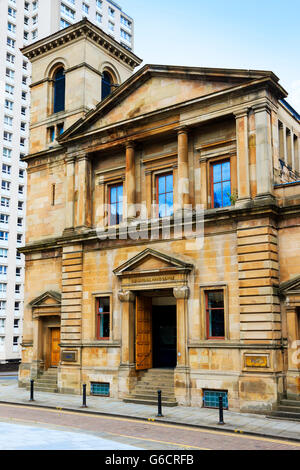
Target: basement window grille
[
  {"x": 100, "y": 389},
  {"x": 211, "y": 399}
]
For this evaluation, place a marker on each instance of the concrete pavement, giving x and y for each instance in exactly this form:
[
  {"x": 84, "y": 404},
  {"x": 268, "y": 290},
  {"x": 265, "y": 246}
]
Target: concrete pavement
[{"x": 207, "y": 418}]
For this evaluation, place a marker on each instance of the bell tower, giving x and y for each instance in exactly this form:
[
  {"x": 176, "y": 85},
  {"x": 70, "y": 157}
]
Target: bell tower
[{"x": 72, "y": 70}]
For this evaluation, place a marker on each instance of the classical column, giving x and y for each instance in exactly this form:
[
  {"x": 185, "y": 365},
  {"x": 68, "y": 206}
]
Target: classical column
[
  {"x": 264, "y": 161},
  {"x": 70, "y": 192},
  {"x": 242, "y": 143},
  {"x": 130, "y": 210},
  {"x": 183, "y": 169},
  {"x": 128, "y": 328},
  {"x": 83, "y": 216}
]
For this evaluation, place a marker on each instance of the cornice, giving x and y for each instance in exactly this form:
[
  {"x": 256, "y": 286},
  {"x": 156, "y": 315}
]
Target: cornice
[{"x": 211, "y": 216}]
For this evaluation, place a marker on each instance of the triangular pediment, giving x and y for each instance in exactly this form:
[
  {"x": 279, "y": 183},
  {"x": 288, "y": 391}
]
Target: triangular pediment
[
  {"x": 151, "y": 261},
  {"x": 47, "y": 299},
  {"x": 155, "y": 88},
  {"x": 290, "y": 287}
]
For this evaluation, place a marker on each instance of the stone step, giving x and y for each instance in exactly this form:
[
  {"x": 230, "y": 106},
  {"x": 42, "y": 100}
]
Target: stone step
[
  {"x": 291, "y": 409},
  {"x": 161, "y": 382},
  {"x": 288, "y": 402},
  {"x": 155, "y": 389},
  {"x": 150, "y": 396},
  {"x": 42, "y": 388},
  {"x": 285, "y": 415},
  {"x": 52, "y": 378},
  {"x": 149, "y": 402}
]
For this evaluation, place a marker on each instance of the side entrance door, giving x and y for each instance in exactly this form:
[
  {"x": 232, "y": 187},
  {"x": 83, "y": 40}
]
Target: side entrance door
[
  {"x": 143, "y": 333},
  {"x": 55, "y": 349}
]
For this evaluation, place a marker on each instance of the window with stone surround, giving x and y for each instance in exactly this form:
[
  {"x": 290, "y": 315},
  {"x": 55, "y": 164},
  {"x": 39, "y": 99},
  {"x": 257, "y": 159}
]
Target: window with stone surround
[
  {"x": 115, "y": 201},
  {"x": 215, "y": 319},
  {"x": 164, "y": 195},
  {"x": 221, "y": 184},
  {"x": 214, "y": 312},
  {"x": 103, "y": 318}
]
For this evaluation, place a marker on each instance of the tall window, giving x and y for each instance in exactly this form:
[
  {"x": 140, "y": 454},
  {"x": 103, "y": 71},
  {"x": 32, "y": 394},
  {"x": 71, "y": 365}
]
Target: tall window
[
  {"x": 106, "y": 85},
  {"x": 221, "y": 184},
  {"x": 103, "y": 318},
  {"x": 215, "y": 319},
  {"x": 164, "y": 195},
  {"x": 115, "y": 204},
  {"x": 59, "y": 90}
]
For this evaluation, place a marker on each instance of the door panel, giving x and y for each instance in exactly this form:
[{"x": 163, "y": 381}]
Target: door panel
[
  {"x": 55, "y": 349},
  {"x": 143, "y": 333}
]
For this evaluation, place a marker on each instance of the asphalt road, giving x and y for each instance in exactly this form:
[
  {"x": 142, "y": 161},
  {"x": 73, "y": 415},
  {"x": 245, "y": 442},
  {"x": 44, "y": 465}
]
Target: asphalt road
[{"x": 41, "y": 429}]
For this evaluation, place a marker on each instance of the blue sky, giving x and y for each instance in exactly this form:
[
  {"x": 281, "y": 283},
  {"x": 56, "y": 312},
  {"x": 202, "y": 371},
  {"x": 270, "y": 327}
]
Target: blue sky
[{"x": 248, "y": 34}]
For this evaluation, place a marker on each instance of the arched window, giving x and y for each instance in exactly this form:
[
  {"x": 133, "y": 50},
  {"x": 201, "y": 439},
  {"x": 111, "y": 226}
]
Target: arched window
[
  {"x": 107, "y": 83},
  {"x": 59, "y": 90}
]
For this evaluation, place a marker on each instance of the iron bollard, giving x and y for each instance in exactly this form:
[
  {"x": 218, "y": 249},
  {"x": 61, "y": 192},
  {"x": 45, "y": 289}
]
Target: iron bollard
[
  {"x": 221, "y": 417},
  {"x": 159, "y": 414},
  {"x": 31, "y": 390},
  {"x": 84, "y": 397}
]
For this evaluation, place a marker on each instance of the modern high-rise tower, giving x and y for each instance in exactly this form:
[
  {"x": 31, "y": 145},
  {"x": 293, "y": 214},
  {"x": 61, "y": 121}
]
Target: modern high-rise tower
[{"x": 21, "y": 23}]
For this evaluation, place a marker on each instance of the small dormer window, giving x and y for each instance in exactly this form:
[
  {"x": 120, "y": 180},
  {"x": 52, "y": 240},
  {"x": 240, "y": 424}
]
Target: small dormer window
[{"x": 59, "y": 91}]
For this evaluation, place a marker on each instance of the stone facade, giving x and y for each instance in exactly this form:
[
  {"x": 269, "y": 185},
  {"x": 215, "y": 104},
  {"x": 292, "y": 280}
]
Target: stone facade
[{"x": 180, "y": 121}]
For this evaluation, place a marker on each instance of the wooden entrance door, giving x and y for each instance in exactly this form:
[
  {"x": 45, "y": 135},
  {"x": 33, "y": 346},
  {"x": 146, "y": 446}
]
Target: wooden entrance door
[
  {"x": 143, "y": 333},
  {"x": 55, "y": 349}
]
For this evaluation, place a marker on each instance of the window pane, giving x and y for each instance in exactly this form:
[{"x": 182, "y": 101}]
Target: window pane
[
  {"x": 113, "y": 195},
  {"x": 226, "y": 171},
  {"x": 161, "y": 185},
  {"x": 120, "y": 193},
  {"x": 104, "y": 304},
  {"x": 218, "y": 195},
  {"x": 215, "y": 299},
  {"x": 217, "y": 173},
  {"x": 169, "y": 183},
  {"x": 104, "y": 325},
  {"x": 169, "y": 201},
  {"x": 217, "y": 323},
  {"x": 226, "y": 194}
]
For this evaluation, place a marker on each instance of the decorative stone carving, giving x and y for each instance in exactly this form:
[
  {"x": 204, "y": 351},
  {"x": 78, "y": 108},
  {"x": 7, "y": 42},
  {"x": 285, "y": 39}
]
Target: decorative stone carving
[
  {"x": 182, "y": 292},
  {"x": 126, "y": 296}
]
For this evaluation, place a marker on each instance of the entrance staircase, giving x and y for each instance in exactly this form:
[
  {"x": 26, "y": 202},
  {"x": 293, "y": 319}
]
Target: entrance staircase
[
  {"x": 47, "y": 382},
  {"x": 152, "y": 380},
  {"x": 288, "y": 409}
]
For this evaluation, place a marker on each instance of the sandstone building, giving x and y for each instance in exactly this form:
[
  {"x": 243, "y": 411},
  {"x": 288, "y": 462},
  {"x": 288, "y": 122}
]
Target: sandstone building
[{"x": 201, "y": 313}]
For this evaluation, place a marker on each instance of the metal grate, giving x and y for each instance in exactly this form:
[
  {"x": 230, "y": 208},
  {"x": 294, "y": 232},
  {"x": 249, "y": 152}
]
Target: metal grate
[
  {"x": 100, "y": 389},
  {"x": 211, "y": 399}
]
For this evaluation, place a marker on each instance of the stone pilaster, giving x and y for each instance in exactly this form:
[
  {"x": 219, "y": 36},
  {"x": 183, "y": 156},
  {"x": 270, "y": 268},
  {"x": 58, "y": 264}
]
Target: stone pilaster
[
  {"x": 127, "y": 370},
  {"x": 242, "y": 140},
  {"x": 130, "y": 180},
  {"x": 264, "y": 160},
  {"x": 182, "y": 371},
  {"x": 83, "y": 192},
  {"x": 70, "y": 192}
]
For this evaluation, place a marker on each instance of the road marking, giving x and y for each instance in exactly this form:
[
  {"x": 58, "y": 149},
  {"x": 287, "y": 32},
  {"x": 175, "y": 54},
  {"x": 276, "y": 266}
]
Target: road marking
[
  {"x": 160, "y": 442},
  {"x": 157, "y": 423}
]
